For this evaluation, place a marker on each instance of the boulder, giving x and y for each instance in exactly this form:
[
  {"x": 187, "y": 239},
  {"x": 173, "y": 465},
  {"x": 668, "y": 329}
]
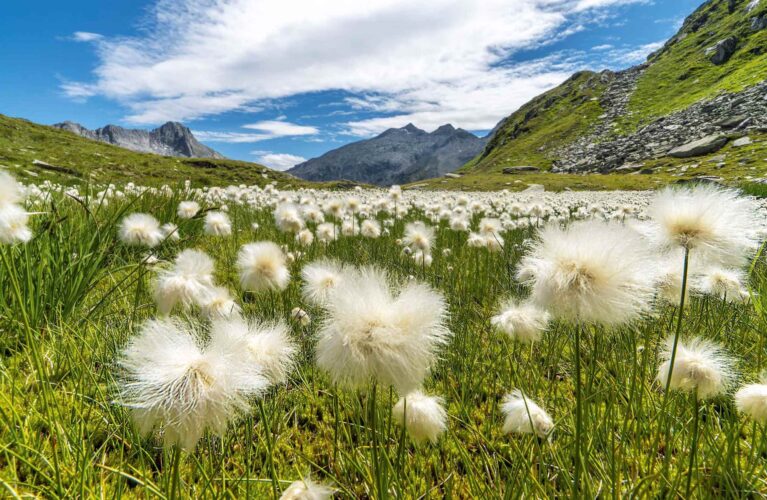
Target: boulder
[
  {"x": 452, "y": 175},
  {"x": 706, "y": 145},
  {"x": 520, "y": 169},
  {"x": 723, "y": 50},
  {"x": 630, "y": 167},
  {"x": 753, "y": 4},
  {"x": 731, "y": 121},
  {"x": 758, "y": 23},
  {"x": 743, "y": 141}
]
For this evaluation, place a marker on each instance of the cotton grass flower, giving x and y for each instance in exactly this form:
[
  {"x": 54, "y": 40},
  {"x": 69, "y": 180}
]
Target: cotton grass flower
[
  {"x": 423, "y": 416},
  {"x": 262, "y": 266},
  {"x": 267, "y": 344},
  {"x": 320, "y": 280},
  {"x": 217, "y": 302},
  {"x": 751, "y": 399},
  {"x": 306, "y": 489},
  {"x": 370, "y": 228},
  {"x": 14, "y": 227},
  {"x": 373, "y": 331},
  {"x": 305, "y": 237},
  {"x": 524, "y": 416},
  {"x": 726, "y": 284},
  {"x": 523, "y": 322},
  {"x": 419, "y": 236},
  {"x": 288, "y": 218},
  {"x": 171, "y": 380},
  {"x": 188, "y": 209},
  {"x": 140, "y": 230},
  {"x": 217, "y": 224},
  {"x": 699, "y": 366},
  {"x": 170, "y": 231},
  {"x": 189, "y": 281},
  {"x": 717, "y": 223},
  {"x": 326, "y": 232},
  {"x": 10, "y": 190},
  {"x": 591, "y": 272},
  {"x": 300, "y": 316}
]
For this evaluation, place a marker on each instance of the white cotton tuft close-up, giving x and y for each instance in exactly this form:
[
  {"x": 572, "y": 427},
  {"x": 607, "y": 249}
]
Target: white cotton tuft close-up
[
  {"x": 306, "y": 489},
  {"x": 700, "y": 366},
  {"x": 524, "y": 416},
  {"x": 140, "y": 230},
  {"x": 373, "y": 330},
  {"x": 262, "y": 267},
  {"x": 171, "y": 380},
  {"x": 524, "y": 322},
  {"x": 320, "y": 280},
  {"x": 217, "y": 224},
  {"x": 423, "y": 416},
  {"x": 751, "y": 399}
]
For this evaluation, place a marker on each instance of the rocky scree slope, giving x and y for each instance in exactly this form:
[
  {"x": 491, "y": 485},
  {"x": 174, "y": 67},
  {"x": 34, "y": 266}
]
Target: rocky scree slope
[
  {"x": 704, "y": 88},
  {"x": 397, "y": 156},
  {"x": 171, "y": 139}
]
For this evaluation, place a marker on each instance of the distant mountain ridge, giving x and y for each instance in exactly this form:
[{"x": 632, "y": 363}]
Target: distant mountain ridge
[
  {"x": 396, "y": 156},
  {"x": 171, "y": 139}
]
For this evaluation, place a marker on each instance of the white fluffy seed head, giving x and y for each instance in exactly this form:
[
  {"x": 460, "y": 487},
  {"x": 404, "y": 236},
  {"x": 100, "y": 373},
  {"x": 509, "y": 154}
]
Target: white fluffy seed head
[
  {"x": 170, "y": 231},
  {"x": 217, "y": 303},
  {"x": 262, "y": 266},
  {"x": 370, "y": 228},
  {"x": 752, "y": 400},
  {"x": 726, "y": 284},
  {"x": 307, "y": 489},
  {"x": 327, "y": 232},
  {"x": 188, "y": 282},
  {"x": 171, "y": 380},
  {"x": 217, "y": 224},
  {"x": 524, "y": 416},
  {"x": 320, "y": 280},
  {"x": 188, "y": 209},
  {"x": 267, "y": 345},
  {"x": 711, "y": 221},
  {"x": 699, "y": 366},
  {"x": 524, "y": 322},
  {"x": 590, "y": 272},
  {"x": 140, "y": 230},
  {"x": 305, "y": 237},
  {"x": 10, "y": 190},
  {"x": 419, "y": 236},
  {"x": 372, "y": 332},
  {"x": 423, "y": 416},
  {"x": 288, "y": 218},
  {"x": 13, "y": 225}
]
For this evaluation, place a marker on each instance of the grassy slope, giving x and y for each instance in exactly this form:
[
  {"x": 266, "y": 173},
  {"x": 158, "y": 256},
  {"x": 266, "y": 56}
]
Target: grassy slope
[
  {"x": 21, "y": 142},
  {"x": 681, "y": 74},
  {"x": 741, "y": 165},
  {"x": 543, "y": 124}
]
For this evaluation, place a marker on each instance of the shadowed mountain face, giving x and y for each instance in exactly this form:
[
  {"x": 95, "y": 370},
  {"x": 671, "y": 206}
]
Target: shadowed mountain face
[
  {"x": 172, "y": 139},
  {"x": 397, "y": 156}
]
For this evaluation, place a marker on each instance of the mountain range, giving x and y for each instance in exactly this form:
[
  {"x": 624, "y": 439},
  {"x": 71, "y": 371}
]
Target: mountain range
[
  {"x": 396, "y": 156},
  {"x": 171, "y": 139}
]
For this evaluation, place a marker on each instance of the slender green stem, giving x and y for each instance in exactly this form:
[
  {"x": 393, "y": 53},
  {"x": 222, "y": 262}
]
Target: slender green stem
[
  {"x": 175, "y": 473},
  {"x": 578, "y": 414},
  {"x": 694, "y": 446}
]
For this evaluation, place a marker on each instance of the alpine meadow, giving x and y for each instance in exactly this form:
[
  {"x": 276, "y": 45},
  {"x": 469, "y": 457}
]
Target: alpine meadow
[{"x": 369, "y": 250}]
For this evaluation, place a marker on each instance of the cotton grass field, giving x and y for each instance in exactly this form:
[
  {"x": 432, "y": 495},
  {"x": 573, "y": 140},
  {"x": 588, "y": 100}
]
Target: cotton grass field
[{"x": 250, "y": 343}]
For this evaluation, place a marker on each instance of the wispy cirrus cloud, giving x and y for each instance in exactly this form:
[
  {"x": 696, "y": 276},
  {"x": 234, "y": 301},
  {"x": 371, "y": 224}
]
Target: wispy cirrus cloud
[
  {"x": 264, "y": 130},
  {"x": 85, "y": 36}
]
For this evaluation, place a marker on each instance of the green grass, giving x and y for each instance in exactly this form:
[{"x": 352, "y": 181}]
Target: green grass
[
  {"x": 741, "y": 166},
  {"x": 73, "y": 296},
  {"x": 80, "y": 159},
  {"x": 682, "y": 74},
  {"x": 532, "y": 133}
]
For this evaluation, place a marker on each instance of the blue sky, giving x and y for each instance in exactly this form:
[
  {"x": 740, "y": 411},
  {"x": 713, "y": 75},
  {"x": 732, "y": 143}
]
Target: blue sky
[{"x": 277, "y": 81}]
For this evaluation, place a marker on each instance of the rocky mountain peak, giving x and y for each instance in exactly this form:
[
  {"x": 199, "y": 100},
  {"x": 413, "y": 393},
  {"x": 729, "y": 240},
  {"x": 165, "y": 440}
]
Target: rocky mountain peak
[
  {"x": 170, "y": 139},
  {"x": 398, "y": 155}
]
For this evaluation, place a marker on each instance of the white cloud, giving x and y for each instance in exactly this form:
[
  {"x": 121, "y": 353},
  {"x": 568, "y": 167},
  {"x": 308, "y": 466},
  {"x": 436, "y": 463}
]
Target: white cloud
[
  {"x": 606, "y": 46},
  {"x": 265, "y": 130},
  {"x": 635, "y": 55},
  {"x": 432, "y": 61},
  {"x": 86, "y": 36},
  {"x": 279, "y": 128},
  {"x": 278, "y": 161}
]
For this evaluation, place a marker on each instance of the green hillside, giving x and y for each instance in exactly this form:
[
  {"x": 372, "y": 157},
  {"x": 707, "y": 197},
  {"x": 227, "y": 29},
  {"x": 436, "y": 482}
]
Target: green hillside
[
  {"x": 72, "y": 159},
  {"x": 681, "y": 73},
  {"x": 676, "y": 76}
]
